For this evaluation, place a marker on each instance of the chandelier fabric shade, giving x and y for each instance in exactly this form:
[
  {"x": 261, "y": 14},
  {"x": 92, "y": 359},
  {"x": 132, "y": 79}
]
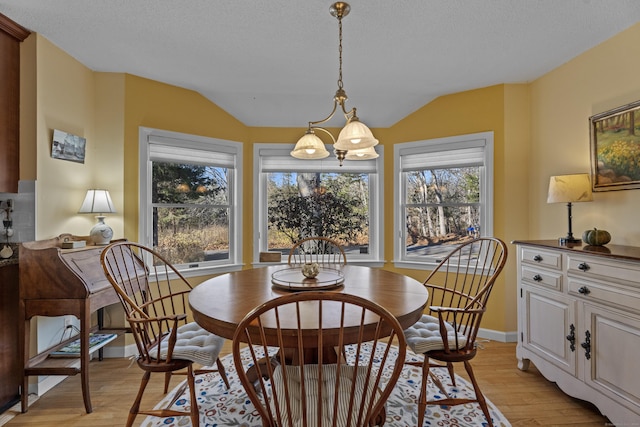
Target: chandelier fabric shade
[{"x": 355, "y": 136}]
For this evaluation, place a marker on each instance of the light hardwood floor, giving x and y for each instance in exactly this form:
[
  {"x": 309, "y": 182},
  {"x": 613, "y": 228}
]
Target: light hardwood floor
[{"x": 525, "y": 398}]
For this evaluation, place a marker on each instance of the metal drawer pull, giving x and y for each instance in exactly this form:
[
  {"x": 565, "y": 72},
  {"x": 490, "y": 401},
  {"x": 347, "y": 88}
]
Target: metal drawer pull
[
  {"x": 583, "y": 266},
  {"x": 537, "y": 258},
  {"x": 537, "y": 278},
  {"x": 572, "y": 337},
  {"x": 584, "y": 290},
  {"x": 587, "y": 345}
]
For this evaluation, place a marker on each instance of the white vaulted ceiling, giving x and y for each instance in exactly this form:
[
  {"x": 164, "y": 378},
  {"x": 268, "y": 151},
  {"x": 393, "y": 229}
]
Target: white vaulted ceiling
[{"x": 275, "y": 62}]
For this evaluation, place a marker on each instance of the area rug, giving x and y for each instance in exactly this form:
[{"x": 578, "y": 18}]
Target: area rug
[{"x": 221, "y": 407}]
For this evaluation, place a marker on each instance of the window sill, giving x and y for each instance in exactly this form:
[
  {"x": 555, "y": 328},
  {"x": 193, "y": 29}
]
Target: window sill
[
  {"x": 415, "y": 265},
  {"x": 210, "y": 270}
]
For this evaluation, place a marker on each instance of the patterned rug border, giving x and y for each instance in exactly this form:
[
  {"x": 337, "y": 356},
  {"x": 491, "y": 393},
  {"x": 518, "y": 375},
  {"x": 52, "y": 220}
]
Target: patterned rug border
[{"x": 220, "y": 407}]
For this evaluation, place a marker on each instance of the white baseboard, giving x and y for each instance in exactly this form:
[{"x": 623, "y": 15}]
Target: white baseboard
[{"x": 499, "y": 336}]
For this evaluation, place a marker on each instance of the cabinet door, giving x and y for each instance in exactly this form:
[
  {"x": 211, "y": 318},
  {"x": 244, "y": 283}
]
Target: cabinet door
[
  {"x": 9, "y": 360},
  {"x": 612, "y": 366},
  {"x": 548, "y": 324}
]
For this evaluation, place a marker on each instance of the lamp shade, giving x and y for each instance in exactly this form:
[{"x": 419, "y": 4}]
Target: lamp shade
[
  {"x": 354, "y": 136},
  {"x": 97, "y": 201},
  {"x": 362, "y": 154},
  {"x": 570, "y": 188},
  {"x": 309, "y": 147}
]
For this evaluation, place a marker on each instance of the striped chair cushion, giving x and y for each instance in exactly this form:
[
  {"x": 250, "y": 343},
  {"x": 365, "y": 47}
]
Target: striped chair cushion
[
  {"x": 424, "y": 336},
  {"x": 195, "y": 344},
  {"x": 311, "y": 392}
]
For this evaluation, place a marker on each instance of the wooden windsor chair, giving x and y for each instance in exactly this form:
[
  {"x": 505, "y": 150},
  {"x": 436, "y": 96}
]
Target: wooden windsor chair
[
  {"x": 305, "y": 386},
  {"x": 459, "y": 288},
  {"x": 155, "y": 299},
  {"x": 320, "y": 250}
]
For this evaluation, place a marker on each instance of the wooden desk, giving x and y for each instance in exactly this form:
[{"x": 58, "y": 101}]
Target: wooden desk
[
  {"x": 58, "y": 282},
  {"x": 220, "y": 303}
]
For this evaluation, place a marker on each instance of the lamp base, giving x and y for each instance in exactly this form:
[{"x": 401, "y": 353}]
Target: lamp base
[
  {"x": 101, "y": 233},
  {"x": 569, "y": 240}
]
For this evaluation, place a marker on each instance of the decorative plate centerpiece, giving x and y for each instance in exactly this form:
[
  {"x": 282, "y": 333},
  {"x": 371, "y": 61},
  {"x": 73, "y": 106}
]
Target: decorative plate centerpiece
[{"x": 293, "y": 278}]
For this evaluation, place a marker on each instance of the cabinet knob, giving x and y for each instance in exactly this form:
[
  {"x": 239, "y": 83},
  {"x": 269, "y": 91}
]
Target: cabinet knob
[
  {"x": 584, "y": 290},
  {"x": 537, "y": 278},
  {"x": 537, "y": 258},
  {"x": 583, "y": 266}
]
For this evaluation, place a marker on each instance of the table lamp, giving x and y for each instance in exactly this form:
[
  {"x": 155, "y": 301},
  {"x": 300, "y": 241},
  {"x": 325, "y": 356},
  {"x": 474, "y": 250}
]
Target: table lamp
[
  {"x": 99, "y": 201},
  {"x": 569, "y": 189}
]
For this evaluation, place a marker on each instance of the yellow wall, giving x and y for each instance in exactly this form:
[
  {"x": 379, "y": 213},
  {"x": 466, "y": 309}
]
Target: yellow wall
[
  {"x": 562, "y": 101},
  {"x": 540, "y": 129},
  {"x": 156, "y": 105},
  {"x": 502, "y": 109},
  {"x": 69, "y": 98}
]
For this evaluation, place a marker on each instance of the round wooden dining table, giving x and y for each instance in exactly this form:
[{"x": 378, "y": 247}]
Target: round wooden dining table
[{"x": 220, "y": 303}]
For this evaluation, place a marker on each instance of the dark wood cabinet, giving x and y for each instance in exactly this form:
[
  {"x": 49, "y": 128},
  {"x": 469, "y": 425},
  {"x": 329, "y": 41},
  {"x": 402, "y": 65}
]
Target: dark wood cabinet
[
  {"x": 10, "y": 374},
  {"x": 11, "y": 34}
]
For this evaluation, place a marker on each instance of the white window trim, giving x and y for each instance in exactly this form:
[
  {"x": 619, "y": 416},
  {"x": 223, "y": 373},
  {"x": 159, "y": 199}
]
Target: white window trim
[
  {"x": 430, "y": 145},
  {"x": 375, "y": 258},
  {"x": 234, "y": 262}
]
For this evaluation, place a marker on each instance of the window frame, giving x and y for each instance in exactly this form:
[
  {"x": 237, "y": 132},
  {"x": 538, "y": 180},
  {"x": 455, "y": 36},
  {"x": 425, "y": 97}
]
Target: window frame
[
  {"x": 206, "y": 144},
  {"x": 447, "y": 144},
  {"x": 281, "y": 152}
]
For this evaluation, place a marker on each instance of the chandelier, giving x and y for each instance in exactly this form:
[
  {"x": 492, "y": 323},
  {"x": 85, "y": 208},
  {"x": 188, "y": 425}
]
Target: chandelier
[{"x": 355, "y": 141}]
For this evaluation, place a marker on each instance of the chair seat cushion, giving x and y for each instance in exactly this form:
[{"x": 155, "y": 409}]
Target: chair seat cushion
[
  {"x": 329, "y": 375},
  {"x": 424, "y": 336},
  {"x": 194, "y": 343}
]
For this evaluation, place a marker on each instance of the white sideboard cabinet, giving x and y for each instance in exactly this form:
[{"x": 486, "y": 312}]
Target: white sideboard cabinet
[{"x": 579, "y": 321}]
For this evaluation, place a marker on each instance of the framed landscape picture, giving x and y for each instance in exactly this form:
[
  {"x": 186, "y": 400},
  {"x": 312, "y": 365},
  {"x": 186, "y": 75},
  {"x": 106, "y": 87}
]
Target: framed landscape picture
[
  {"x": 615, "y": 148},
  {"x": 67, "y": 146}
]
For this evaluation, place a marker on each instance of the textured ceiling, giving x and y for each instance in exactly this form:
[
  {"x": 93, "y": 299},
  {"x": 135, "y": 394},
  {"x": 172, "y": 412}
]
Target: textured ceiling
[{"x": 275, "y": 62}]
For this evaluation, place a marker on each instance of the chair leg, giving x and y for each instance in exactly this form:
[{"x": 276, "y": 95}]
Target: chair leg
[
  {"x": 167, "y": 379},
  {"x": 195, "y": 413},
  {"x": 223, "y": 372},
  {"x": 479, "y": 396},
  {"x": 133, "y": 412},
  {"x": 451, "y": 374},
  {"x": 422, "y": 399}
]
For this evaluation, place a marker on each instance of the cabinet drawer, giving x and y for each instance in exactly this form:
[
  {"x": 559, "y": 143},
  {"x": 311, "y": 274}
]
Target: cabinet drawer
[
  {"x": 547, "y": 278},
  {"x": 536, "y": 256},
  {"x": 607, "y": 293},
  {"x": 605, "y": 270}
]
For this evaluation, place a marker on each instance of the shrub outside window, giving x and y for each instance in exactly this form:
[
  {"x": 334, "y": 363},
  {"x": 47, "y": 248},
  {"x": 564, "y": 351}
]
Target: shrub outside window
[{"x": 303, "y": 198}]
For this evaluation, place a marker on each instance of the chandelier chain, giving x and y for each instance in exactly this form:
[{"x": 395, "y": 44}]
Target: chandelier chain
[{"x": 340, "y": 52}]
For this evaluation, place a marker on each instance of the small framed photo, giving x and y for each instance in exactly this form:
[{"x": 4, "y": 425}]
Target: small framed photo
[
  {"x": 66, "y": 146},
  {"x": 615, "y": 148}
]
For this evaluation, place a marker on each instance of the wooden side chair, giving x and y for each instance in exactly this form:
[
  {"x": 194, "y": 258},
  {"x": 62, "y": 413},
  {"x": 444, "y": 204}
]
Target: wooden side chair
[
  {"x": 155, "y": 299},
  {"x": 321, "y": 250},
  {"x": 308, "y": 382},
  {"x": 459, "y": 288}
]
